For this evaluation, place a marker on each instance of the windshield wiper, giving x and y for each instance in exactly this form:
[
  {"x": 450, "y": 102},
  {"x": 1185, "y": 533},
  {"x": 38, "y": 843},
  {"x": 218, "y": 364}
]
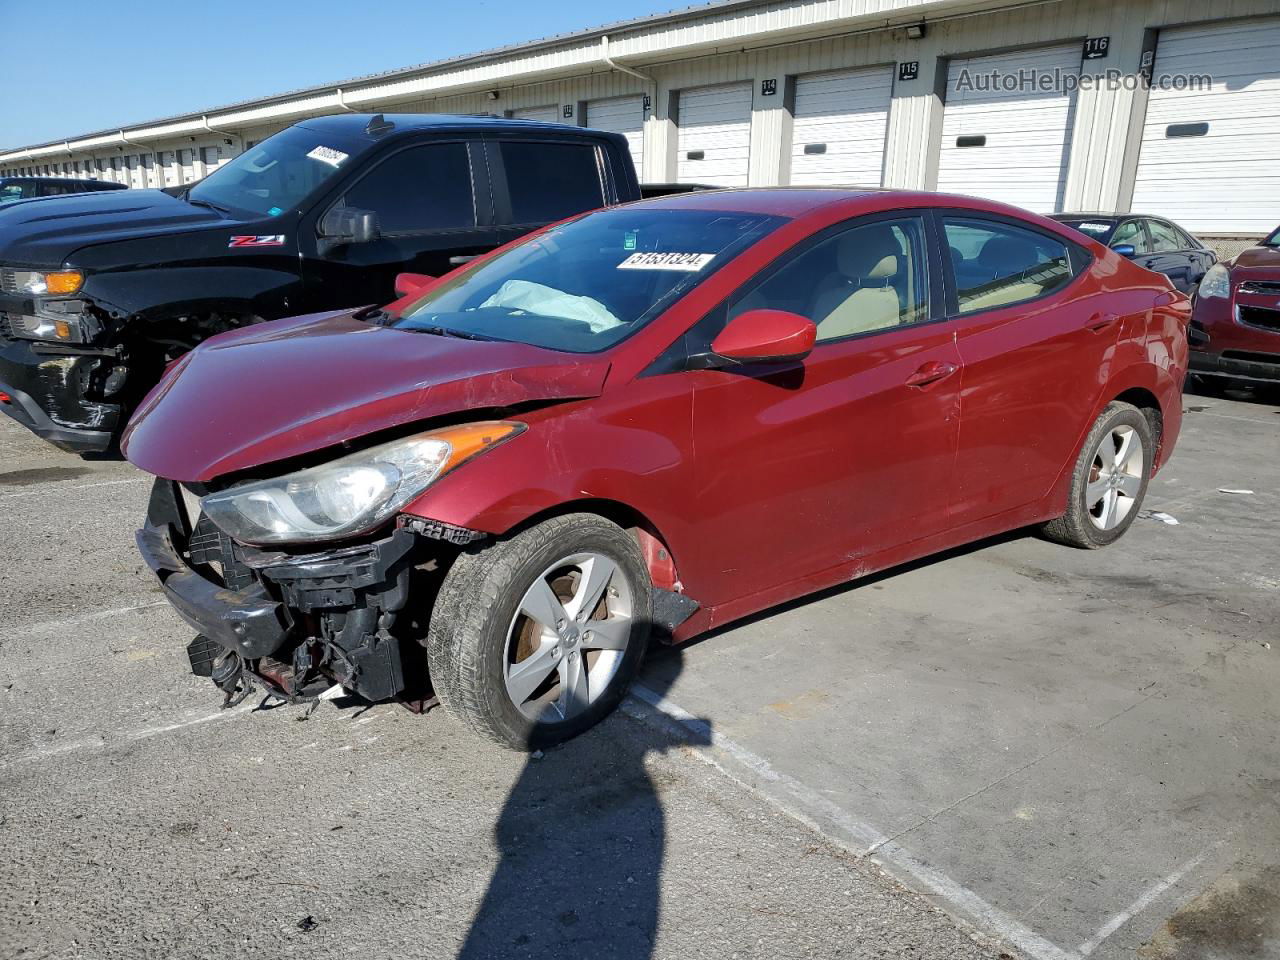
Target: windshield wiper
[
  {"x": 225, "y": 211},
  {"x": 447, "y": 332}
]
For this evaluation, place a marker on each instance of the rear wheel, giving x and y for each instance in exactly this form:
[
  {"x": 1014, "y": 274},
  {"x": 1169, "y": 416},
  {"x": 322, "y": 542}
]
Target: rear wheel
[
  {"x": 1109, "y": 481},
  {"x": 535, "y": 638}
]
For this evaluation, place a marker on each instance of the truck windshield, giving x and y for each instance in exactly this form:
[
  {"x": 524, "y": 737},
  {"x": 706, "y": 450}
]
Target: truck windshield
[
  {"x": 275, "y": 175},
  {"x": 585, "y": 285}
]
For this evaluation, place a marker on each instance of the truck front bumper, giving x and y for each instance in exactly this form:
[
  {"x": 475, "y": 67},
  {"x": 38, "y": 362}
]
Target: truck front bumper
[{"x": 44, "y": 390}]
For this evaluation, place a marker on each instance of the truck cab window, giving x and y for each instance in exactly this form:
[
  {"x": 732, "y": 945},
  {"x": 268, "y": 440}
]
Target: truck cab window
[
  {"x": 422, "y": 188},
  {"x": 550, "y": 181}
]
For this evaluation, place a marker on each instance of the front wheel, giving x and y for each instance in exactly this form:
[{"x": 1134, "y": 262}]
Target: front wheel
[
  {"x": 535, "y": 638},
  {"x": 1109, "y": 481}
]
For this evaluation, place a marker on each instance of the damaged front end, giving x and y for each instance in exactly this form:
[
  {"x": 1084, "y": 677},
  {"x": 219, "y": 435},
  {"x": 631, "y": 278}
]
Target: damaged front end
[{"x": 296, "y": 623}]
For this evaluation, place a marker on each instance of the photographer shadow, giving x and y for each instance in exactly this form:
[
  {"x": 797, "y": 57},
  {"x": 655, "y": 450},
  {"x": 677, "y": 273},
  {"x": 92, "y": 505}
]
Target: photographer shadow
[{"x": 582, "y": 838}]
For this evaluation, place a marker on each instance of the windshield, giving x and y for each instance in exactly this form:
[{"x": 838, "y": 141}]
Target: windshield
[
  {"x": 1273, "y": 240},
  {"x": 1099, "y": 230},
  {"x": 585, "y": 285},
  {"x": 276, "y": 175}
]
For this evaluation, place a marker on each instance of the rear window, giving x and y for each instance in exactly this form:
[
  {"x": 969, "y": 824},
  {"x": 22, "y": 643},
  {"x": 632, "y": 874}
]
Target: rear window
[
  {"x": 998, "y": 264},
  {"x": 551, "y": 181},
  {"x": 583, "y": 286}
]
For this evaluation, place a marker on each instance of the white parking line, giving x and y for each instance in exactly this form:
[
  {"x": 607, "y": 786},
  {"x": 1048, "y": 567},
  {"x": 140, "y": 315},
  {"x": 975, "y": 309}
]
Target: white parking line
[
  {"x": 810, "y": 804},
  {"x": 132, "y": 735},
  {"x": 56, "y": 487},
  {"x": 87, "y": 617},
  {"x": 1149, "y": 897}
]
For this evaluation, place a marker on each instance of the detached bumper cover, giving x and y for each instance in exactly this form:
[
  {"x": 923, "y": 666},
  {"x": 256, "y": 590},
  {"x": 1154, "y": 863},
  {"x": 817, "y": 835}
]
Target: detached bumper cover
[
  {"x": 46, "y": 395},
  {"x": 248, "y": 622}
]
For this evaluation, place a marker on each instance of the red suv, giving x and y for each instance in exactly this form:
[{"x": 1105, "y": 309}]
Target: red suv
[
  {"x": 1236, "y": 323},
  {"x": 644, "y": 422}
]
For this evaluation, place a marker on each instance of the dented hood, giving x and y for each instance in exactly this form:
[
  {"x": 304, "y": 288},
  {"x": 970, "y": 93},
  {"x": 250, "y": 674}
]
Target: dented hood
[{"x": 278, "y": 390}]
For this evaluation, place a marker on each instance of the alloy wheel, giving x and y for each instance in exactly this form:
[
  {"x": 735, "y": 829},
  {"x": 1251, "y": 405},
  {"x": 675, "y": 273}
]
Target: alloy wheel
[
  {"x": 568, "y": 637},
  {"x": 1115, "y": 478}
]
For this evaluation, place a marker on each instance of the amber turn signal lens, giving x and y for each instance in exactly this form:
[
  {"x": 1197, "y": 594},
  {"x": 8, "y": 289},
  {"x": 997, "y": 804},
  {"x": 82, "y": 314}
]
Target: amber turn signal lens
[
  {"x": 64, "y": 281},
  {"x": 466, "y": 440}
]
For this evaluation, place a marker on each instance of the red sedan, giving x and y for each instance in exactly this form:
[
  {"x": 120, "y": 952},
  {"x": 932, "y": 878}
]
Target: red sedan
[{"x": 647, "y": 421}]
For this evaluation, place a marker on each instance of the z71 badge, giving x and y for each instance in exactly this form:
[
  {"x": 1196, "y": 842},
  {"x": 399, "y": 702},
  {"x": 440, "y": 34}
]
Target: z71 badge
[{"x": 269, "y": 240}]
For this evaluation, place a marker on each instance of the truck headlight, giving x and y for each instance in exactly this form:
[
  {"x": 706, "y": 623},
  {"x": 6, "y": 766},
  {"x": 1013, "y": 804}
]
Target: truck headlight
[
  {"x": 353, "y": 494},
  {"x": 52, "y": 283},
  {"x": 58, "y": 321},
  {"x": 1216, "y": 282}
]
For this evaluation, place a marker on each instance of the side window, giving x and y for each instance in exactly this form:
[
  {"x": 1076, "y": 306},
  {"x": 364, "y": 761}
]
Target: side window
[
  {"x": 865, "y": 278},
  {"x": 1131, "y": 232},
  {"x": 1164, "y": 239},
  {"x": 422, "y": 188},
  {"x": 998, "y": 264},
  {"x": 550, "y": 181}
]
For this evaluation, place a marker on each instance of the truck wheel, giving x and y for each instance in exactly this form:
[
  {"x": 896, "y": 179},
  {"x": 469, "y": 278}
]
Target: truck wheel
[
  {"x": 535, "y": 638},
  {"x": 1109, "y": 481}
]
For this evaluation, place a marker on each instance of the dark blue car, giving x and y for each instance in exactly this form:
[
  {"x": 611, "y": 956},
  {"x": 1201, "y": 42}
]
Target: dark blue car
[{"x": 1151, "y": 242}]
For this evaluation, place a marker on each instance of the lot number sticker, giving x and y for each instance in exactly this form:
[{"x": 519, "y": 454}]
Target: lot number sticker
[
  {"x": 328, "y": 155},
  {"x": 688, "y": 262}
]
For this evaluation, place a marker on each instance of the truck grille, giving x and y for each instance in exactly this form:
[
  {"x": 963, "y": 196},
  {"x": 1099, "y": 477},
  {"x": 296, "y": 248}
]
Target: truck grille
[
  {"x": 1258, "y": 317},
  {"x": 8, "y": 282}
]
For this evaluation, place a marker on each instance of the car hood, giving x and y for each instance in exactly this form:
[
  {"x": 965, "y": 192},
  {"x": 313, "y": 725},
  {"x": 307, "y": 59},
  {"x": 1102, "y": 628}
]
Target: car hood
[
  {"x": 45, "y": 231},
  {"x": 1258, "y": 262},
  {"x": 278, "y": 390}
]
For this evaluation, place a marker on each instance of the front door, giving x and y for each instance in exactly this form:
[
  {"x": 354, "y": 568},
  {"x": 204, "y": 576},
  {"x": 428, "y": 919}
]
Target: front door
[
  {"x": 809, "y": 466},
  {"x": 434, "y": 212}
]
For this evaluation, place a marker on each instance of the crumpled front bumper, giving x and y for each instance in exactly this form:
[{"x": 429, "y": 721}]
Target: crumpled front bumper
[
  {"x": 335, "y": 605},
  {"x": 46, "y": 394}
]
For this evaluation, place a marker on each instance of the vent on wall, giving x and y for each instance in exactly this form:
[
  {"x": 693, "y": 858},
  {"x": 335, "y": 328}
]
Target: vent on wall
[
  {"x": 1186, "y": 129},
  {"x": 972, "y": 141}
]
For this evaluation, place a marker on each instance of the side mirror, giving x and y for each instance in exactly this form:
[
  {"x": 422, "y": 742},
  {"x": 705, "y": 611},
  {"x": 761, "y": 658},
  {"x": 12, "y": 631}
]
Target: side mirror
[
  {"x": 413, "y": 284},
  {"x": 765, "y": 336},
  {"x": 1126, "y": 250},
  {"x": 346, "y": 225}
]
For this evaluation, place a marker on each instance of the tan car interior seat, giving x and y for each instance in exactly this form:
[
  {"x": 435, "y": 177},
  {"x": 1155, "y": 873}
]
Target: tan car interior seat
[{"x": 863, "y": 296}]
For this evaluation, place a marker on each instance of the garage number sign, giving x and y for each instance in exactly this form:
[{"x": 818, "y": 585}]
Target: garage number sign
[
  {"x": 909, "y": 70},
  {"x": 768, "y": 88},
  {"x": 1095, "y": 48}
]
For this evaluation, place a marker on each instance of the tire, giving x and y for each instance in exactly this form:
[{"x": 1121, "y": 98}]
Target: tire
[
  {"x": 480, "y": 635},
  {"x": 1089, "y": 525}
]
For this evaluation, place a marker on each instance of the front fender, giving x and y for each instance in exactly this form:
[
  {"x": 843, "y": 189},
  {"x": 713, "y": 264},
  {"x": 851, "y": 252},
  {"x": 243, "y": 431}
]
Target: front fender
[
  {"x": 636, "y": 452},
  {"x": 168, "y": 292}
]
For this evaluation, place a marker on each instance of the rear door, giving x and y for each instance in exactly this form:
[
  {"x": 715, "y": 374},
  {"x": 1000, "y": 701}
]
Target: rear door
[
  {"x": 540, "y": 181},
  {"x": 434, "y": 211},
  {"x": 1034, "y": 347},
  {"x": 1172, "y": 255}
]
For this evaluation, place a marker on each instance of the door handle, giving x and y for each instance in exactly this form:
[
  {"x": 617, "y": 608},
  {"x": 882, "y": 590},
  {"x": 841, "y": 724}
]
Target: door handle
[
  {"x": 1100, "y": 321},
  {"x": 931, "y": 372}
]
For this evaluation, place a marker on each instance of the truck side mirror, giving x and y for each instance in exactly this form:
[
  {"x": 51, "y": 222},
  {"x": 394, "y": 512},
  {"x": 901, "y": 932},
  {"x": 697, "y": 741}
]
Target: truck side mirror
[{"x": 346, "y": 225}]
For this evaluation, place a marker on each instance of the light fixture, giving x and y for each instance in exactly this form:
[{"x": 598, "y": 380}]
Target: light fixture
[
  {"x": 916, "y": 31},
  {"x": 491, "y": 95}
]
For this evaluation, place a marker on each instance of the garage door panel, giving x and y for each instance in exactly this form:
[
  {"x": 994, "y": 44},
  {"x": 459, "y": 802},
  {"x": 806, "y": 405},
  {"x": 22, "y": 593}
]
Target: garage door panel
[
  {"x": 716, "y": 123},
  {"x": 845, "y": 116},
  {"x": 1226, "y": 180},
  {"x": 624, "y": 115},
  {"x": 1023, "y": 156}
]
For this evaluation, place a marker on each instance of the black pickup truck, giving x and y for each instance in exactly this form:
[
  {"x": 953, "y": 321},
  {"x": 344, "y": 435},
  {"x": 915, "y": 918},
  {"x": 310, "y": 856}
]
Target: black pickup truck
[{"x": 99, "y": 292}]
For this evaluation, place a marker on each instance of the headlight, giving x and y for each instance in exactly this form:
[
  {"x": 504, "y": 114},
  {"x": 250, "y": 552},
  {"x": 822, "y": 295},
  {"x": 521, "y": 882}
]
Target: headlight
[
  {"x": 350, "y": 495},
  {"x": 52, "y": 283},
  {"x": 1216, "y": 282},
  {"x": 60, "y": 321}
]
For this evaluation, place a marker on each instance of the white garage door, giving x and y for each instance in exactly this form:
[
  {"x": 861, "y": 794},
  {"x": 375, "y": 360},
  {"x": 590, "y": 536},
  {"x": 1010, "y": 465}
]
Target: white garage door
[
  {"x": 1009, "y": 145},
  {"x": 549, "y": 114},
  {"x": 715, "y": 134},
  {"x": 839, "y": 127},
  {"x": 624, "y": 115},
  {"x": 1210, "y": 158}
]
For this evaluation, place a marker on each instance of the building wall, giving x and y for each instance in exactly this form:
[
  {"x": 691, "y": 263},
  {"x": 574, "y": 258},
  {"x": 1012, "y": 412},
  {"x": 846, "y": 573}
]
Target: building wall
[{"x": 748, "y": 45}]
